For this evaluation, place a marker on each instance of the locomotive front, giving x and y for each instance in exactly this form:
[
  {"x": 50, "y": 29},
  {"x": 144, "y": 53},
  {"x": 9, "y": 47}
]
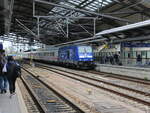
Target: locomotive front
[{"x": 85, "y": 56}]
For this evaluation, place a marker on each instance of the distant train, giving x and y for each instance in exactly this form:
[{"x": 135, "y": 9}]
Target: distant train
[{"x": 73, "y": 56}]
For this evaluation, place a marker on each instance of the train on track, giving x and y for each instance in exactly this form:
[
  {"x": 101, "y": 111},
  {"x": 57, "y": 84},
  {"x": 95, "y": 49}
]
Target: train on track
[{"x": 72, "y": 56}]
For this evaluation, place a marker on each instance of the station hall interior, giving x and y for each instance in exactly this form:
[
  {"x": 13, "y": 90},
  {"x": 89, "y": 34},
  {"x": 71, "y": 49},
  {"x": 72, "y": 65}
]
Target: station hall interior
[{"x": 76, "y": 56}]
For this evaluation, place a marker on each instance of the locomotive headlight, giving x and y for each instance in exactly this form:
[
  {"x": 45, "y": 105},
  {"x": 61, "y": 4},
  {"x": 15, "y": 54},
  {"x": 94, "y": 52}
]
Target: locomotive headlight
[{"x": 81, "y": 56}]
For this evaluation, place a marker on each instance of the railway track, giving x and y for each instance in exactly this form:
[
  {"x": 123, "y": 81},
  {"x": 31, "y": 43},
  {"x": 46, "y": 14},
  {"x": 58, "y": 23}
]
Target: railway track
[
  {"x": 126, "y": 92},
  {"x": 111, "y": 75},
  {"x": 46, "y": 98}
]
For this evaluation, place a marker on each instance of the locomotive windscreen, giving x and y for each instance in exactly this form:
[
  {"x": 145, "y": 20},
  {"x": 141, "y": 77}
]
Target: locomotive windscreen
[{"x": 85, "y": 52}]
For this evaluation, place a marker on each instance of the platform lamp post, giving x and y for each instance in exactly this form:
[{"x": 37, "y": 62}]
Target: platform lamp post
[
  {"x": 122, "y": 57},
  {"x": 17, "y": 43}
]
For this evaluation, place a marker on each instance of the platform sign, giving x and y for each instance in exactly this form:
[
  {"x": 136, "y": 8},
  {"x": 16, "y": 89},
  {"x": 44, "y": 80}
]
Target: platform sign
[
  {"x": 130, "y": 45},
  {"x": 117, "y": 47}
]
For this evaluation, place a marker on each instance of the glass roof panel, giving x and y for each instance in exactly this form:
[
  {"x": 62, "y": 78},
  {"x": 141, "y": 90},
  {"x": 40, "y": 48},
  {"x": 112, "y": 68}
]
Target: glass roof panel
[
  {"x": 77, "y": 2},
  {"x": 69, "y": 5},
  {"x": 110, "y": 1},
  {"x": 87, "y": 2},
  {"x": 96, "y": 4},
  {"x": 90, "y": 9}
]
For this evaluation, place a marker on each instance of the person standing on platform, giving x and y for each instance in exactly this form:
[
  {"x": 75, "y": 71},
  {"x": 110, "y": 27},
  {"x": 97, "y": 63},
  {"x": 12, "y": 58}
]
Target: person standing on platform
[
  {"x": 139, "y": 60},
  {"x": 5, "y": 81},
  {"x": 111, "y": 60},
  {"x": 14, "y": 71},
  {"x": 3, "y": 70},
  {"x": 116, "y": 58}
]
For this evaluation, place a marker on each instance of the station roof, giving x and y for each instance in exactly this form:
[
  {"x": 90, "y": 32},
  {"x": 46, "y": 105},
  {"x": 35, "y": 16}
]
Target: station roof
[{"x": 79, "y": 14}]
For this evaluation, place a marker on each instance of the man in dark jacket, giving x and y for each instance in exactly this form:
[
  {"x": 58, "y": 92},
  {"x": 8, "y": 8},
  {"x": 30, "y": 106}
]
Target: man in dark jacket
[{"x": 14, "y": 71}]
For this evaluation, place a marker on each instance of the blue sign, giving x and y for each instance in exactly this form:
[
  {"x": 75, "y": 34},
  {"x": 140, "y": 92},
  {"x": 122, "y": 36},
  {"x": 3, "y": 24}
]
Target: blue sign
[{"x": 129, "y": 44}]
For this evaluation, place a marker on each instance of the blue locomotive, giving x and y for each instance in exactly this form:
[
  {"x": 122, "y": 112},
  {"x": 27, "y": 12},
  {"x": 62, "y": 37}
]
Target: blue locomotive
[{"x": 76, "y": 56}]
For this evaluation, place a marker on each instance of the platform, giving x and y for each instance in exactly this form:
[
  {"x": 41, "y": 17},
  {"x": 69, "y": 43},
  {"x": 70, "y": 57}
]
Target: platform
[
  {"x": 138, "y": 72},
  {"x": 14, "y": 104}
]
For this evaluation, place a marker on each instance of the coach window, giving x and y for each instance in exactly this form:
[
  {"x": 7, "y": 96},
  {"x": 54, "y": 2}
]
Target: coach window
[
  {"x": 134, "y": 54},
  {"x": 126, "y": 54},
  {"x": 143, "y": 54},
  {"x": 45, "y": 54},
  {"x": 148, "y": 54},
  {"x": 49, "y": 54},
  {"x": 131, "y": 54}
]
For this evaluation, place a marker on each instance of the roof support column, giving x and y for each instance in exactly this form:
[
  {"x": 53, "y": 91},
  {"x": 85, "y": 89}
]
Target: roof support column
[
  {"x": 94, "y": 27},
  {"x": 8, "y": 10},
  {"x": 67, "y": 28},
  {"x": 38, "y": 27}
]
